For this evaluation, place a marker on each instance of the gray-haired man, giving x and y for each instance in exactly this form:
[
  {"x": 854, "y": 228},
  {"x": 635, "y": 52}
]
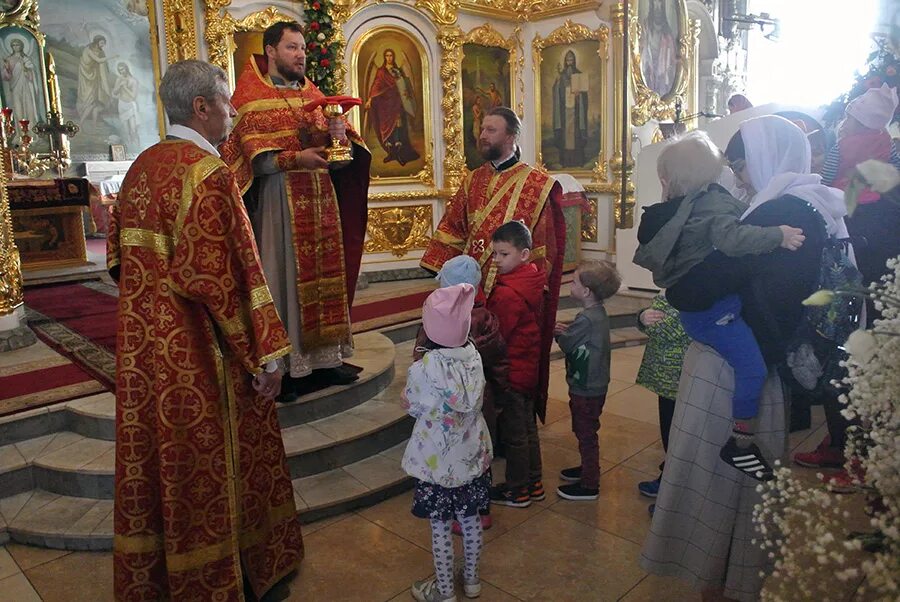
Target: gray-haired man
[{"x": 204, "y": 506}]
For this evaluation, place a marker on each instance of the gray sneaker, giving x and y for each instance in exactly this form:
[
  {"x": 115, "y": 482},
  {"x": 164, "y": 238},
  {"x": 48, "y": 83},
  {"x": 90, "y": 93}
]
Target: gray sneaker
[
  {"x": 427, "y": 591},
  {"x": 472, "y": 589}
]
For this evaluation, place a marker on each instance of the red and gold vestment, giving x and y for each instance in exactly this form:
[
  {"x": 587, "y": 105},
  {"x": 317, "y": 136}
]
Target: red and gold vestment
[
  {"x": 203, "y": 495},
  {"x": 327, "y": 235}
]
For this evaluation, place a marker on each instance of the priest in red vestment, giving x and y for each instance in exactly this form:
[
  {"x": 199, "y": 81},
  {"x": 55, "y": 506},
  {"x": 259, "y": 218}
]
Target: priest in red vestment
[
  {"x": 501, "y": 190},
  {"x": 309, "y": 218},
  {"x": 204, "y": 507}
]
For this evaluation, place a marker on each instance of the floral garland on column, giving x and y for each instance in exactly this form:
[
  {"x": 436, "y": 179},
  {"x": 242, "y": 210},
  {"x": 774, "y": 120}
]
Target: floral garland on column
[{"x": 321, "y": 49}]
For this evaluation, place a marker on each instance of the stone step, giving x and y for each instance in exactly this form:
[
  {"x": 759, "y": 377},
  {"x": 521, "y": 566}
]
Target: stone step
[
  {"x": 344, "y": 445},
  {"x": 95, "y": 416},
  {"x": 71, "y": 464},
  {"x": 43, "y": 518}
]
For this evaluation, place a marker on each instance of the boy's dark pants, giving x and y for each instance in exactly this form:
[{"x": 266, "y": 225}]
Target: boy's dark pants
[
  {"x": 585, "y": 425},
  {"x": 517, "y": 425}
]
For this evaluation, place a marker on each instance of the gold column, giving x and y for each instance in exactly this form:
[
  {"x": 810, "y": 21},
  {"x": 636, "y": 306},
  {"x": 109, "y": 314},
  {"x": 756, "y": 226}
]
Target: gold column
[
  {"x": 10, "y": 266},
  {"x": 450, "y": 39},
  {"x": 694, "y": 75},
  {"x": 624, "y": 208},
  {"x": 180, "y": 26},
  {"x": 340, "y": 14}
]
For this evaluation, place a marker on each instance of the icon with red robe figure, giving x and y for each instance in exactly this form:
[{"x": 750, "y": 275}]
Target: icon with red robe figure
[{"x": 390, "y": 106}]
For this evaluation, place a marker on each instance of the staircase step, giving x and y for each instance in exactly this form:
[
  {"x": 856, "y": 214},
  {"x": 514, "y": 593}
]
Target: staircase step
[
  {"x": 50, "y": 520},
  {"x": 95, "y": 416},
  {"x": 374, "y": 353},
  {"x": 71, "y": 464},
  {"x": 344, "y": 445},
  {"x": 355, "y": 485}
]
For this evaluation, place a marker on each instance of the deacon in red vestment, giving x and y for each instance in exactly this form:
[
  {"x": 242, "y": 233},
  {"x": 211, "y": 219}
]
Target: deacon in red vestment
[
  {"x": 309, "y": 219},
  {"x": 204, "y": 507},
  {"x": 501, "y": 190}
]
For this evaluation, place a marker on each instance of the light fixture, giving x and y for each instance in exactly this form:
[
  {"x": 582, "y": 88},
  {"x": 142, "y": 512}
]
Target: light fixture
[{"x": 735, "y": 18}]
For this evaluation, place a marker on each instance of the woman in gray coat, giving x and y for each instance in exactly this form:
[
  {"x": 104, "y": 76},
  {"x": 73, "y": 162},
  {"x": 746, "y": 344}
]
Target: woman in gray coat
[{"x": 702, "y": 529}]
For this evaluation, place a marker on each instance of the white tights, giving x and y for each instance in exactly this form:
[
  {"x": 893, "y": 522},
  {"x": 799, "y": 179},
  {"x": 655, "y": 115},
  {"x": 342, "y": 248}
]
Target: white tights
[{"x": 442, "y": 550}]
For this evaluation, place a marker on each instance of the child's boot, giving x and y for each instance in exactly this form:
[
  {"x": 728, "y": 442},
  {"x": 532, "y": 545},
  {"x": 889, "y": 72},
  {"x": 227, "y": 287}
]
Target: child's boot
[{"x": 741, "y": 452}]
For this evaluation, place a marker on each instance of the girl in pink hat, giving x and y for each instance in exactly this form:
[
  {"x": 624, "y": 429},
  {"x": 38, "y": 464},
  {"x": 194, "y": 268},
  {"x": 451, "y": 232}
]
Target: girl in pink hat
[
  {"x": 863, "y": 135},
  {"x": 449, "y": 452}
]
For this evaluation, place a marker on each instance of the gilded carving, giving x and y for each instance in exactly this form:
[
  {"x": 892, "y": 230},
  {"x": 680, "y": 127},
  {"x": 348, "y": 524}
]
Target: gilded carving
[
  {"x": 10, "y": 266},
  {"x": 180, "y": 27},
  {"x": 398, "y": 229},
  {"x": 450, "y": 39},
  {"x": 341, "y": 12},
  {"x": 443, "y": 12},
  {"x": 520, "y": 71},
  {"x": 649, "y": 104},
  {"x": 623, "y": 207},
  {"x": 25, "y": 11},
  {"x": 486, "y": 35},
  {"x": 405, "y": 195},
  {"x": 589, "y": 222},
  {"x": 568, "y": 33},
  {"x": 526, "y": 10}
]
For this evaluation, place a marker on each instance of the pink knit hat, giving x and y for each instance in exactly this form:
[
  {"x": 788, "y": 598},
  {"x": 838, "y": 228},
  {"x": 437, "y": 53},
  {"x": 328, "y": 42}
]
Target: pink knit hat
[
  {"x": 874, "y": 109},
  {"x": 447, "y": 314}
]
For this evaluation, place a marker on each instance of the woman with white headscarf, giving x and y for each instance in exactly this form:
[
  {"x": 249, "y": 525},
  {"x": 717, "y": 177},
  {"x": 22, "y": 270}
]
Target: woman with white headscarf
[{"x": 702, "y": 526}]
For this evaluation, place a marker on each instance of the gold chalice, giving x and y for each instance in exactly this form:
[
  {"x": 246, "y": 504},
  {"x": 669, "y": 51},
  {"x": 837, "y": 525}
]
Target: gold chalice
[
  {"x": 337, "y": 152},
  {"x": 335, "y": 106}
]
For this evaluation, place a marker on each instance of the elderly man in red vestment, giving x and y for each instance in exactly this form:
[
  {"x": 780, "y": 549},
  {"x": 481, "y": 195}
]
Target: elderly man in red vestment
[
  {"x": 390, "y": 106},
  {"x": 204, "y": 508},
  {"x": 501, "y": 190},
  {"x": 310, "y": 243}
]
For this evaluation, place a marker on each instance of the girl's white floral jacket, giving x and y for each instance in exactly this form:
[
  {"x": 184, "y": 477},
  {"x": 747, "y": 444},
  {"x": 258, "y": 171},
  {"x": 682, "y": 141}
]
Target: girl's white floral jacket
[{"x": 450, "y": 445}]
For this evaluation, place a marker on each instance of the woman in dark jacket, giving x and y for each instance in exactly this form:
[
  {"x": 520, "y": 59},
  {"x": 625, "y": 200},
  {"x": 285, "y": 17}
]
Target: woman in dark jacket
[{"x": 702, "y": 528}]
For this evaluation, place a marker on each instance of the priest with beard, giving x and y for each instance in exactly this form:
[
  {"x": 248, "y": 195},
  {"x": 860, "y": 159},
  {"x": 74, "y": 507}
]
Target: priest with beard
[
  {"x": 309, "y": 216},
  {"x": 504, "y": 189}
]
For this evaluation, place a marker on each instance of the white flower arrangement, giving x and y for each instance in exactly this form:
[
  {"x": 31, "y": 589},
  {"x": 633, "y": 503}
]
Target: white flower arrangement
[{"x": 808, "y": 531}]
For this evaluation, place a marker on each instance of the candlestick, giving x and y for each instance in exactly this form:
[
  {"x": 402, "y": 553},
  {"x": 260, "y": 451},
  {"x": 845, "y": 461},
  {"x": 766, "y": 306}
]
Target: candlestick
[{"x": 53, "y": 85}]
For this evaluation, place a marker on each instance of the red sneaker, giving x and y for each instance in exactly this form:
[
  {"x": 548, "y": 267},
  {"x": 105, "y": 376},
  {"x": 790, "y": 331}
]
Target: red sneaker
[
  {"x": 845, "y": 482},
  {"x": 840, "y": 482},
  {"x": 486, "y": 523},
  {"x": 824, "y": 456}
]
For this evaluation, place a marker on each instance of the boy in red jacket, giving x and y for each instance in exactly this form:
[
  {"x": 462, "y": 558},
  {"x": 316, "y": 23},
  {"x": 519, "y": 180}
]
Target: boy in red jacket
[{"x": 517, "y": 300}]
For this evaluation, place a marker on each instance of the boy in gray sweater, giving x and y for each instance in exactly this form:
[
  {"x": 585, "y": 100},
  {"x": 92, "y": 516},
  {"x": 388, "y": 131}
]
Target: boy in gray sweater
[{"x": 586, "y": 344}]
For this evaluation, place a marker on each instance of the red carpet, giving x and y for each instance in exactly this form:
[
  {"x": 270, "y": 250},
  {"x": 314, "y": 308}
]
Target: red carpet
[
  {"x": 35, "y": 384},
  {"x": 79, "y": 322},
  {"x": 387, "y": 307},
  {"x": 89, "y": 312}
]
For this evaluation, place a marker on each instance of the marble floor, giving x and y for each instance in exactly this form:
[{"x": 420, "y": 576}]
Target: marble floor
[{"x": 554, "y": 550}]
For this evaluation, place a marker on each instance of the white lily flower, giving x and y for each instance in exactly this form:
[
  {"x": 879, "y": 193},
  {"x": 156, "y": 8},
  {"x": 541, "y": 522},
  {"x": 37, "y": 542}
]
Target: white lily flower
[
  {"x": 862, "y": 346},
  {"x": 880, "y": 176}
]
